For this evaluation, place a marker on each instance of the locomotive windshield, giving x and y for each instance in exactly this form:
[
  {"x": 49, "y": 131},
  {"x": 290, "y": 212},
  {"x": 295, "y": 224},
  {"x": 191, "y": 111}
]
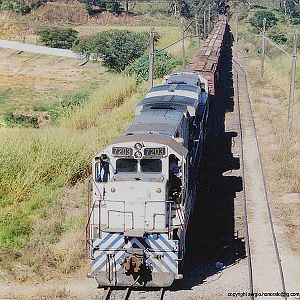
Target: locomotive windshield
[
  {"x": 151, "y": 166},
  {"x": 127, "y": 165},
  {"x": 130, "y": 165}
]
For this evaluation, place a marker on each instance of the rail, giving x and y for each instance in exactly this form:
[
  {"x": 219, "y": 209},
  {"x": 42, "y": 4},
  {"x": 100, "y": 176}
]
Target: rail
[{"x": 125, "y": 293}]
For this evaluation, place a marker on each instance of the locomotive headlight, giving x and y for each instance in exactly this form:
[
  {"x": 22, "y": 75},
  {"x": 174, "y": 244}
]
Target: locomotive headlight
[
  {"x": 112, "y": 189},
  {"x": 158, "y": 190},
  {"x": 138, "y": 154},
  {"x": 138, "y": 146}
]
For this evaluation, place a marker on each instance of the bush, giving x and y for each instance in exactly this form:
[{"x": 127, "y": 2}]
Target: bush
[
  {"x": 295, "y": 21},
  {"x": 163, "y": 64},
  {"x": 257, "y": 19},
  {"x": 94, "y": 6},
  {"x": 20, "y": 119},
  {"x": 116, "y": 48},
  {"x": 243, "y": 14},
  {"x": 21, "y": 6},
  {"x": 58, "y": 37},
  {"x": 278, "y": 35}
]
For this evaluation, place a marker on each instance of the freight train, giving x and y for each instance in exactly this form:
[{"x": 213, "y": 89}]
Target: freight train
[{"x": 144, "y": 183}]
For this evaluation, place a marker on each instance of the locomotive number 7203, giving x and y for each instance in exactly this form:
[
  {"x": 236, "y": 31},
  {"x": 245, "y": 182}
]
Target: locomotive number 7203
[{"x": 155, "y": 151}]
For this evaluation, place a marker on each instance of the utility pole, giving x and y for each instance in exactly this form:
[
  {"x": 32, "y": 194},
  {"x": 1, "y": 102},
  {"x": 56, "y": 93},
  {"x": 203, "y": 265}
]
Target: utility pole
[
  {"x": 197, "y": 29},
  {"x": 151, "y": 58},
  {"x": 262, "y": 70},
  {"x": 292, "y": 85},
  {"x": 237, "y": 28},
  {"x": 182, "y": 43},
  {"x": 285, "y": 11},
  {"x": 175, "y": 8},
  {"x": 284, "y": 5},
  {"x": 208, "y": 19},
  {"x": 204, "y": 25}
]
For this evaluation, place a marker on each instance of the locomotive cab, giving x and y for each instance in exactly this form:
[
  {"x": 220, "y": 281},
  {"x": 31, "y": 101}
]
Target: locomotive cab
[{"x": 138, "y": 184}]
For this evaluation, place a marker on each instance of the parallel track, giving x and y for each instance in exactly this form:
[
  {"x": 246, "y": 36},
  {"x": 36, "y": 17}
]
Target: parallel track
[
  {"x": 247, "y": 238},
  {"x": 241, "y": 75}
]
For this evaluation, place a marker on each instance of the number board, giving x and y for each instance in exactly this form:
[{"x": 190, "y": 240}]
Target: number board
[
  {"x": 122, "y": 151},
  {"x": 155, "y": 151}
]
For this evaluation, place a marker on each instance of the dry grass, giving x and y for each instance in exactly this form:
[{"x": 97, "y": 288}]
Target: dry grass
[
  {"x": 61, "y": 13},
  {"x": 49, "y": 159},
  {"x": 52, "y": 293},
  {"x": 57, "y": 292},
  {"x": 26, "y": 86},
  {"x": 102, "y": 100},
  {"x": 10, "y": 26},
  {"x": 271, "y": 106}
]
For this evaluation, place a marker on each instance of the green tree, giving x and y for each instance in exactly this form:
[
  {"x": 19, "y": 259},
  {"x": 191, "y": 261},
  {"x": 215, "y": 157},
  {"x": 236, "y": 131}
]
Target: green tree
[
  {"x": 278, "y": 35},
  {"x": 257, "y": 19},
  {"x": 292, "y": 8},
  {"x": 116, "y": 48},
  {"x": 21, "y": 6},
  {"x": 58, "y": 37},
  {"x": 94, "y": 6},
  {"x": 164, "y": 63}
]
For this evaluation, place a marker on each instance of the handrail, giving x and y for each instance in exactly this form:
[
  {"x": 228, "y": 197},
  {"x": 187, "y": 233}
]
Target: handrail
[
  {"x": 156, "y": 201},
  {"x": 87, "y": 229},
  {"x": 95, "y": 184},
  {"x": 114, "y": 201},
  {"x": 178, "y": 208},
  {"x": 178, "y": 211}
]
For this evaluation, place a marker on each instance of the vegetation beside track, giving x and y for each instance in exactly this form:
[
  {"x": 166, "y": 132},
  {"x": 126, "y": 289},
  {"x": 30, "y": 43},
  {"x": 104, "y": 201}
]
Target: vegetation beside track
[{"x": 43, "y": 170}]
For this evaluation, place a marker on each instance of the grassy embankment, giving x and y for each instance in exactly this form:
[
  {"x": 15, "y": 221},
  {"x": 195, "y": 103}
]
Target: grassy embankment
[
  {"x": 281, "y": 154},
  {"x": 42, "y": 173}
]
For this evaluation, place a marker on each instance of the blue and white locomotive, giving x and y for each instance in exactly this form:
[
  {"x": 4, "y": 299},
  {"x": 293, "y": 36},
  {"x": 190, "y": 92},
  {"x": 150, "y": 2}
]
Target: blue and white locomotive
[{"x": 144, "y": 187}]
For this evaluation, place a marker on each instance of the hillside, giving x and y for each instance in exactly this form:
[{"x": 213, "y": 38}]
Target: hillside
[{"x": 54, "y": 115}]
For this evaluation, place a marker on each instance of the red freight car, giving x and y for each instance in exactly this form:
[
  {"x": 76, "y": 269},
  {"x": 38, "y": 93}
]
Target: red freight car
[{"x": 207, "y": 60}]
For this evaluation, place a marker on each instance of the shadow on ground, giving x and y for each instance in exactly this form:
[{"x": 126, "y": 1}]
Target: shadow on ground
[{"x": 211, "y": 236}]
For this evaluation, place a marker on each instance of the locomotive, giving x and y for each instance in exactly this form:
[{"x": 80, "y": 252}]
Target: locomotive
[{"x": 143, "y": 187}]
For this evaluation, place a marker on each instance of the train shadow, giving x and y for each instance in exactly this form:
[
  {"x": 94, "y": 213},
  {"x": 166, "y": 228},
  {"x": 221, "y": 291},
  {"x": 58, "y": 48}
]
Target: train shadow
[{"x": 212, "y": 241}]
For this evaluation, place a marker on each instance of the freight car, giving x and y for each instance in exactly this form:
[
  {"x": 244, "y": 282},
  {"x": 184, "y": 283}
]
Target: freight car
[{"x": 143, "y": 188}]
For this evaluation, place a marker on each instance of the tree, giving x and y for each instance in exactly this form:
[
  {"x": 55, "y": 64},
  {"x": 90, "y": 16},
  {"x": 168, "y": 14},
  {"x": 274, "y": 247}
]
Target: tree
[
  {"x": 94, "y": 6},
  {"x": 291, "y": 7},
  {"x": 258, "y": 18},
  {"x": 164, "y": 63},
  {"x": 21, "y": 6},
  {"x": 278, "y": 35},
  {"x": 116, "y": 48},
  {"x": 58, "y": 37}
]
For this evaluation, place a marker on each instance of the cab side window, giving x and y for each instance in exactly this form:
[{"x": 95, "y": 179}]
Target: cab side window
[{"x": 102, "y": 171}]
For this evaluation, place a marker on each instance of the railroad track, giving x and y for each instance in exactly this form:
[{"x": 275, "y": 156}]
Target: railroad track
[
  {"x": 241, "y": 81},
  {"x": 112, "y": 293}
]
